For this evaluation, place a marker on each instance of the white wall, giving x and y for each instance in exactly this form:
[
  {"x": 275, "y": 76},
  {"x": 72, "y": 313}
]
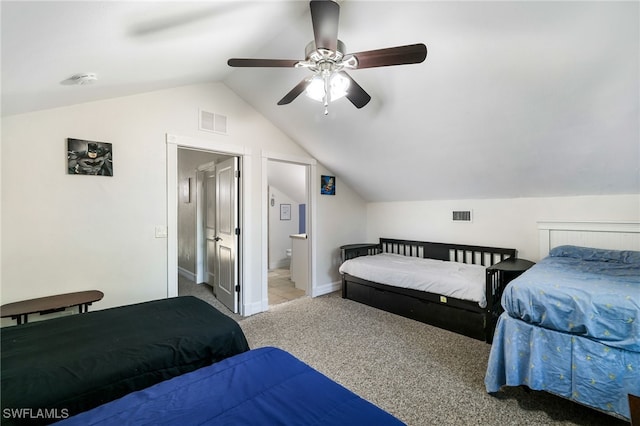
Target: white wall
[
  {"x": 344, "y": 222},
  {"x": 496, "y": 222},
  {"x": 63, "y": 233},
  {"x": 279, "y": 230}
]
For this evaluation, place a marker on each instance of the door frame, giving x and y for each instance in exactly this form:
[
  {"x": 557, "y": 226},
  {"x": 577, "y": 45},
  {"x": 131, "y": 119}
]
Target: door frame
[
  {"x": 244, "y": 154},
  {"x": 312, "y": 182}
]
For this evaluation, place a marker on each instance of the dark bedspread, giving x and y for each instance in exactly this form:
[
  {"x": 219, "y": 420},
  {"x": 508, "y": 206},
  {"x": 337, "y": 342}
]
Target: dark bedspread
[{"x": 71, "y": 364}]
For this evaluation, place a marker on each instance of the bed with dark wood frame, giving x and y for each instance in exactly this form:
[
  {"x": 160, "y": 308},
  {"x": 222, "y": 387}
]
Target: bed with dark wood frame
[{"x": 457, "y": 315}]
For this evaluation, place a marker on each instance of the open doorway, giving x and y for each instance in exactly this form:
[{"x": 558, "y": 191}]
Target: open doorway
[
  {"x": 288, "y": 253},
  {"x": 208, "y": 226}
]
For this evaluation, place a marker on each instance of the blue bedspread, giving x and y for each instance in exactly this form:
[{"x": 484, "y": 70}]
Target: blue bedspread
[
  {"x": 582, "y": 291},
  {"x": 265, "y": 386},
  {"x": 570, "y": 366}
]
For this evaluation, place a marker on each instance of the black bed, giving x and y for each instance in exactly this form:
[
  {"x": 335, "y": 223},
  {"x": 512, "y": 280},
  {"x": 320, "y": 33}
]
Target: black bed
[
  {"x": 67, "y": 365},
  {"x": 457, "y": 315}
]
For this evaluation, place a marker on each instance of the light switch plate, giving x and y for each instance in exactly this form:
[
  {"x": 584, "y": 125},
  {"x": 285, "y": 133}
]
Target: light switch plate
[{"x": 161, "y": 232}]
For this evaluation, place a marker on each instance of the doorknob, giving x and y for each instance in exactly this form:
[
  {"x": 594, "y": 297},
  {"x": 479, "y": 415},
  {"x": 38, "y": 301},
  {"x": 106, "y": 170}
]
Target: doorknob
[{"x": 216, "y": 238}]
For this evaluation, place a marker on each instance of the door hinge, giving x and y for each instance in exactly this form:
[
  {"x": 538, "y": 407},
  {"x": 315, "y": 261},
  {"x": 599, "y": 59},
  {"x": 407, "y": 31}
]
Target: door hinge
[
  {"x": 238, "y": 174},
  {"x": 237, "y": 231},
  {"x": 237, "y": 288}
]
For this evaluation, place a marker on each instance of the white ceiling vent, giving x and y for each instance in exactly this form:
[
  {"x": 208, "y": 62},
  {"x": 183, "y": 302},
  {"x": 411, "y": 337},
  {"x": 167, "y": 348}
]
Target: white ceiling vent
[
  {"x": 462, "y": 216},
  {"x": 212, "y": 122}
]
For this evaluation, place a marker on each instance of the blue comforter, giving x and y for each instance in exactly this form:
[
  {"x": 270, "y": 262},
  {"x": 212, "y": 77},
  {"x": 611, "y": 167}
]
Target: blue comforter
[
  {"x": 588, "y": 292},
  {"x": 265, "y": 386}
]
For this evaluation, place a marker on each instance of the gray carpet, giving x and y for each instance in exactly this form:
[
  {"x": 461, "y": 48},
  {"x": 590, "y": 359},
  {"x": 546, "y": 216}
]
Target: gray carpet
[
  {"x": 204, "y": 292},
  {"x": 421, "y": 374}
]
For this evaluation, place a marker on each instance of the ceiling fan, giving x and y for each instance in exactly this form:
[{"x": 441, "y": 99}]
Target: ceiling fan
[{"x": 325, "y": 57}]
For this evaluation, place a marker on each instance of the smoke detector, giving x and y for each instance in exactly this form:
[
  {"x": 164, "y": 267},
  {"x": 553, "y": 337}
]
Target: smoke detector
[{"x": 80, "y": 79}]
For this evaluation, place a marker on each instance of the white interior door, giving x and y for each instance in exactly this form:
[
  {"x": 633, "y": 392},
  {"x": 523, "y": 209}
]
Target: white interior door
[
  {"x": 226, "y": 233},
  {"x": 209, "y": 216}
]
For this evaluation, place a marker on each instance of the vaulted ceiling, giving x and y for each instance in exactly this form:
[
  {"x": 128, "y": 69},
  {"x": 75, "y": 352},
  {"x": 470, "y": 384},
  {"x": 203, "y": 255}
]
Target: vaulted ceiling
[{"x": 515, "y": 98}]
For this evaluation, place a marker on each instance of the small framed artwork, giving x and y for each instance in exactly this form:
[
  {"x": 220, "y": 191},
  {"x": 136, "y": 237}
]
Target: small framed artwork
[
  {"x": 328, "y": 185},
  {"x": 285, "y": 211},
  {"x": 89, "y": 158}
]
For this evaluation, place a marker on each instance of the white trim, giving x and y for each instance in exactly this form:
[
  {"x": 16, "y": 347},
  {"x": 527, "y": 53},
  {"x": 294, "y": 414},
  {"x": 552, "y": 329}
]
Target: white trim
[
  {"x": 207, "y": 167},
  {"x": 289, "y": 158},
  {"x": 172, "y": 219},
  {"x": 618, "y": 235},
  {"x": 326, "y": 288},
  {"x": 200, "y": 233},
  {"x": 595, "y": 226},
  {"x": 187, "y": 274},
  {"x": 255, "y": 308},
  {"x": 173, "y": 141},
  {"x": 312, "y": 182},
  {"x": 208, "y": 145}
]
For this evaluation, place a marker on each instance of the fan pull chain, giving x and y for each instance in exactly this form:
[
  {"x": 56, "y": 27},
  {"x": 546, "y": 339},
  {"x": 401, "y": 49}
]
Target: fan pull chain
[{"x": 326, "y": 92}]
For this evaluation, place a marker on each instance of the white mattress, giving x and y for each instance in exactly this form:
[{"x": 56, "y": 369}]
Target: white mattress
[{"x": 451, "y": 279}]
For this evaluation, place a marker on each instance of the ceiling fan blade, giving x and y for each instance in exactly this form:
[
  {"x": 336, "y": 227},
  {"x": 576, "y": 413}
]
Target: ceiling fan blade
[
  {"x": 289, "y": 97},
  {"x": 356, "y": 94},
  {"x": 325, "y": 15},
  {"x": 401, "y": 55},
  {"x": 273, "y": 63}
]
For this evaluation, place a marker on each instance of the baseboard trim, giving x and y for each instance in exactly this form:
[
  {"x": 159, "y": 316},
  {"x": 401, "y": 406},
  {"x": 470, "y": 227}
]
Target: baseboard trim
[
  {"x": 280, "y": 264},
  {"x": 255, "y": 308},
  {"x": 263, "y": 306},
  {"x": 187, "y": 274},
  {"x": 326, "y": 288}
]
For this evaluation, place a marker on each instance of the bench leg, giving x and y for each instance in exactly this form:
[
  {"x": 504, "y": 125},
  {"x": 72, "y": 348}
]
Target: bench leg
[
  {"x": 20, "y": 319},
  {"x": 84, "y": 307}
]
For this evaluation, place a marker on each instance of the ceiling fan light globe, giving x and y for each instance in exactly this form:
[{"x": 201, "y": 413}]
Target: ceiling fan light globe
[
  {"x": 315, "y": 89},
  {"x": 339, "y": 86}
]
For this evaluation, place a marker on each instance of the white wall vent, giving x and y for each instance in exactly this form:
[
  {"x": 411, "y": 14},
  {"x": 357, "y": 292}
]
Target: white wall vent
[
  {"x": 212, "y": 122},
  {"x": 461, "y": 216}
]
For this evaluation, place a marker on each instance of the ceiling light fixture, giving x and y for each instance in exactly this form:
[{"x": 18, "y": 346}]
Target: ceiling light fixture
[
  {"x": 81, "y": 79},
  {"x": 327, "y": 87},
  {"x": 329, "y": 82}
]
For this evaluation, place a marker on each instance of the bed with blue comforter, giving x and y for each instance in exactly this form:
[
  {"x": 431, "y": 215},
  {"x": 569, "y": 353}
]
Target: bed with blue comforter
[
  {"x": 264, "y": 386},
  {"x": 571, "y": 327}
]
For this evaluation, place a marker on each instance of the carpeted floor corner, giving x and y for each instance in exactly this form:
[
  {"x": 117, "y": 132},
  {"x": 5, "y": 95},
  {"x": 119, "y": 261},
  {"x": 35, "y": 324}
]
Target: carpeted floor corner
[{"x": 421, "y": 374}]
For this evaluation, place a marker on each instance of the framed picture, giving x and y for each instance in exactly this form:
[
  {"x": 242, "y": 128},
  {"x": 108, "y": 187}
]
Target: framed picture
[
  {"x": 89, "y": 158},
  {"x": 328, "y": 185},
  {"x": 285, "y": 211}
]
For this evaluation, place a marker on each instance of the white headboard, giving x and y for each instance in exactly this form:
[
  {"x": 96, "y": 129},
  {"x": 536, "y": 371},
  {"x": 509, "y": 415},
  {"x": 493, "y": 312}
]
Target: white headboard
[{"x": 606, "y": 235}]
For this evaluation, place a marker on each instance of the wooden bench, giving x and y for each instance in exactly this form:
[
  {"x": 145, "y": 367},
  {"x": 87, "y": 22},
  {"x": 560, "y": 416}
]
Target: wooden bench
[{"x": 46, "y": 305}]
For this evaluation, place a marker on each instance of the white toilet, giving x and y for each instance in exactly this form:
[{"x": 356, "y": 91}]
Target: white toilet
[{"x": 288, "y": 253}]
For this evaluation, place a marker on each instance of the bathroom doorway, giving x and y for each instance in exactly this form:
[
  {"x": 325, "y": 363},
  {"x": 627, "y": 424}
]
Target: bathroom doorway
[{"x": 288, "y": 253}]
